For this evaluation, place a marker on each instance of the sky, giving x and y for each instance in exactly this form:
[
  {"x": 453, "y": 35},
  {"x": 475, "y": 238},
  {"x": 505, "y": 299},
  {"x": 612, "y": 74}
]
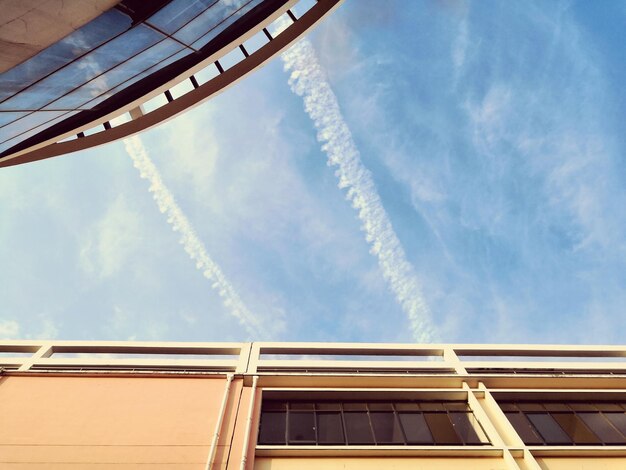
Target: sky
[{"x": 424, "y": 171}]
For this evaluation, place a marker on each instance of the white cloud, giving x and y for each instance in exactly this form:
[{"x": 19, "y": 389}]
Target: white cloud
[
  {"x": 308, "y": 81},
  {"x": 112, "y": 240},
  {"x": 9, "y": 329},
  {"x": 190, "y": 241}
]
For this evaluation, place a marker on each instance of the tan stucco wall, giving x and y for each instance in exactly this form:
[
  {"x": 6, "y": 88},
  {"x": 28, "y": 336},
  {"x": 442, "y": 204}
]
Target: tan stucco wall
[
  {"x": 28, "y": 26},
  {"x": 121, "y": 422},
  {"x": 389, "y": 463}
]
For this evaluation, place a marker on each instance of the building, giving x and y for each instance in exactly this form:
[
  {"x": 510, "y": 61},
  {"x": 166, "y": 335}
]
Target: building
[
  {"x": 306, "y": 406},
  {"x": 80, "y": 73}
]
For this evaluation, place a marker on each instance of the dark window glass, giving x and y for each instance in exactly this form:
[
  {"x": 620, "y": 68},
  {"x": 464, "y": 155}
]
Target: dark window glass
[
  {"x": 274, "y": 406},
  {"x": 452, "y": 406},
  {"x": 300, "y": 406},
  {"x": 354, "y": 407},
  {"x": 548, "y": 428},
  {"x": 358, "y": 429},
  {"x": 415, "y": 428},
  {"x": 556, "y": 407},
  {"x": 328, "y": 406},
  {"x": 582, "y": 407},
  {"x": 618, "y": 420},
  {"x": 524, "y": 429},
  {"x": 380, "y": 406},
  {"x": 406, "y": 406},
  {"x": 608, "y": 407},
  {"x": 575, "y": 428},
  {"x": 441, "y": 428},
  {"x": 432, "y": 406},
  {"x": 272, "y": 429},
  {"x": 386, "y": 427},
  {"x": 301, "y": 427},
  {"x": 329, "y": 428},
  {"x": 531, "y": 407},
  {"x": 602, "y": 428},
  {"x": 468, "y": 428}
]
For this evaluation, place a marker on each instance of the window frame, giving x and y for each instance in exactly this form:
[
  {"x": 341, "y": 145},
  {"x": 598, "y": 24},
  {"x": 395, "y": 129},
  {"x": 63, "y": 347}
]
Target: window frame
[{"x": 370, "y": 397}]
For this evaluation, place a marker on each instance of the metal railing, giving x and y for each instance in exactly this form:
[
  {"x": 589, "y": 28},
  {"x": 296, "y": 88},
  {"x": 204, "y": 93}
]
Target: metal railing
[{"x": 313, "y": 358}]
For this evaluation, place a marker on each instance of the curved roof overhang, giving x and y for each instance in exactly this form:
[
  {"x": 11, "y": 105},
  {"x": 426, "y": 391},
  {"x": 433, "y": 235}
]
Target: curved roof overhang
[{"x": 99, "y": 126}]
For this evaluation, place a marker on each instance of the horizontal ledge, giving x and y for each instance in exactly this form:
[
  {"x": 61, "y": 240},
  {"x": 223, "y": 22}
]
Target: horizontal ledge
[
  {"x": 578, "y": 451},
  {"x": 378, "y": 451}
]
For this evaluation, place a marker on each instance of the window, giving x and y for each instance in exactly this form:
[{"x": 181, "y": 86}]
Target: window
[
  {"x": 368, "y": 423},
  {"x": 568, "y": 423}
]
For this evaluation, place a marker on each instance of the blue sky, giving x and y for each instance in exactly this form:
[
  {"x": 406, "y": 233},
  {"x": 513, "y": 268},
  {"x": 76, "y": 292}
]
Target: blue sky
[{"x": 493, "y": 135}]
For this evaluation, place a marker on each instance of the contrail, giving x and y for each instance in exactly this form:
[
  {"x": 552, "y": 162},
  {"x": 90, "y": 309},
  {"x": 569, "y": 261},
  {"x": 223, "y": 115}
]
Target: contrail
[
  {"x": 188, "y": 238},
  {"x": 308, "y": 80}
]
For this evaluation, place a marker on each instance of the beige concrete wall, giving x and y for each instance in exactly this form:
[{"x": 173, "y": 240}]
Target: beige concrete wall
[
  {"x": 389, "y": 463},
  {"x": 85, "y": 422}
]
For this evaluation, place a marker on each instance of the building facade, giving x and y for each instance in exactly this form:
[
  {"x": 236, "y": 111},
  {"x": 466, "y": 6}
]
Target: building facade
[
  {"x": 80, "y": 73},
  {"x": 311, "y": 405}
]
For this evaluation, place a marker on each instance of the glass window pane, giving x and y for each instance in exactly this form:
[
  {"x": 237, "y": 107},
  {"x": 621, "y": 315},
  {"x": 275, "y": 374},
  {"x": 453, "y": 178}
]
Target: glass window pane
[
  {"x": 575, "y": 428},
  {"x": 119, "y": 74},
  {"x": 602, "y": 428},
  {"x": 548, "y": 428},
  {"x": 358, "y": 429},
  {"x": 582, "y": 407},
  {"x": 526, "y": 432},
  {"x": 406, "y": 406},
  {"x": 90, "y": 104},
  {"x": 608, "y": 407},
  {"x": 301, "y": 427},
  {"x": 219, "y": 28},
  {"x": 354, "y": 407},
  {"x": 273, "y": 427},
  {"x": 618, "y": 420},
  {"x": 84, "y": 69},
  {"x": 84, "y": 39},
  {"x": 177, "y": 13},
  {"x": 386, "y": 427},
  {"x": 379, "y": 406},
  {"x": 441, "y": 428},
  {"x": 22, "y": 137},
  {"x": 415, "y": 428},
  {"x": 211, "y": 18},
  {"x": 329, "y": 428},
  {"x": 27, "y": 123},
  {"x": 274, "y": 406},
  {"x": 328, "y": 406},
  {"x": 300, "y": 406},
  {"x": 7, "y": 117},
  {"x": 468, "y": 428},
  {"x": 432, "y": 406},
  {"x": 456, "y": 406},
  {"x": 531, "y": 407},
  {"x": 556, "y": 407}
]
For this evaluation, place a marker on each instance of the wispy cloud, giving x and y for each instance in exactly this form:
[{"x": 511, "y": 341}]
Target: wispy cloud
[
  {"x": 111, "y": 240},
  {"x": 9, "y": 329},
  {"x": 308, "y": 80},
  {"x": 190, "y": 241}
]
